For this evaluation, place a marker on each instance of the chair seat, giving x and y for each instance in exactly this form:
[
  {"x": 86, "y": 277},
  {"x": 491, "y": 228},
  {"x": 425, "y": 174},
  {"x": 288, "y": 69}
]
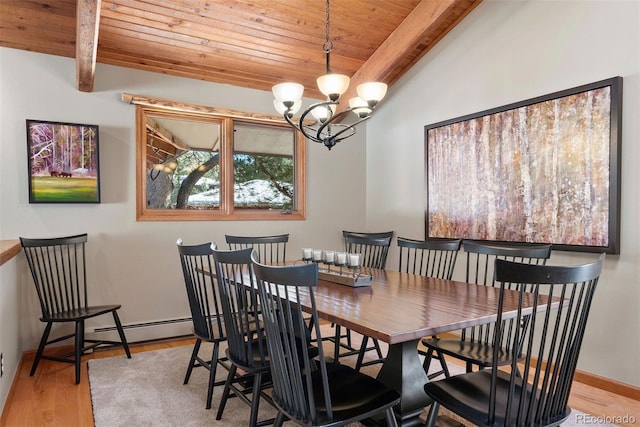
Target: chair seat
[
  {"x": 476, "y": 352},
  {"x": 258, "y": 363},
  {"x": 468, "y": 396},
  {"x": 352, "y": 394},
  {"x": 81, "y": 313}
]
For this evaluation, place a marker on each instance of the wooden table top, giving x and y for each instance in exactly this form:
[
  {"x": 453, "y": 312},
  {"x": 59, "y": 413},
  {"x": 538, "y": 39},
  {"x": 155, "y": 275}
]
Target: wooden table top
[{"x": 400, "y": 307}]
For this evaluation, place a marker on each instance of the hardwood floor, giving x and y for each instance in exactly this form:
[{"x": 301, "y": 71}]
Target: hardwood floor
[{"x": 51, "y": 398}]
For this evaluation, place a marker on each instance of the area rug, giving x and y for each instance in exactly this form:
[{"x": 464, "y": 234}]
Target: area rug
[{"x": 148, "y": 390}]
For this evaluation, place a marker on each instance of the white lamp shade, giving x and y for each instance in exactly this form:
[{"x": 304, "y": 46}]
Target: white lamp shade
[
  {"x": 288, "y": 91},
  {"x": 280, "y": 107},
  {"x": 360, "y": 107},
  {"x": 372, "y": 91},
  {"x": 323, "y": 112},
  {"x": 333, "y": 84}
]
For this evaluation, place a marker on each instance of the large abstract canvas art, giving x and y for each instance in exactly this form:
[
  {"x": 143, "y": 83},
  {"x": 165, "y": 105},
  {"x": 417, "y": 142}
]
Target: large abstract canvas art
[{"x": 545, "y": 170}]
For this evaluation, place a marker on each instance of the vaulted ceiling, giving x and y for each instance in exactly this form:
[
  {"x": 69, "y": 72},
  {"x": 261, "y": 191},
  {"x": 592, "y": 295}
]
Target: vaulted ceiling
[{"x": 248, "y": 43}]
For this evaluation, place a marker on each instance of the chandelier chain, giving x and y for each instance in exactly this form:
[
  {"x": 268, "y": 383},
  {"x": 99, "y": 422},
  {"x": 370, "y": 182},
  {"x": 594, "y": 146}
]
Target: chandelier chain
[{"x": 328, "y": 44}]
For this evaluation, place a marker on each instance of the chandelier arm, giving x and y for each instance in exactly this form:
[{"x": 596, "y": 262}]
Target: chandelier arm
[
  {"x": 351, "y": 126},
  {"x": 293, "y": 125},
  {"x": 303, "y": 116}
]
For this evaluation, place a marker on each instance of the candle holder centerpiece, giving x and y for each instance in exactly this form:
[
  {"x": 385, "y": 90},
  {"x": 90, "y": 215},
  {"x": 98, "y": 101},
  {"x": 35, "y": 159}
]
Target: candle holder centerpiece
[{"x": 348, "y": 269}]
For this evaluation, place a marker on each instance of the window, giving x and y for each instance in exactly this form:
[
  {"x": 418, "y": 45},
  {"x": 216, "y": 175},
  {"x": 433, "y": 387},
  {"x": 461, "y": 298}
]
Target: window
[{"x": 200, "y": 163}]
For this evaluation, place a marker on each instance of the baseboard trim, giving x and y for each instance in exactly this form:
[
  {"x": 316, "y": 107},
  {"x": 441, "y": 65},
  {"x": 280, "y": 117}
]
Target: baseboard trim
[
  {"x": 593, "y": 380},
  {"x": 613, "y": 386}
]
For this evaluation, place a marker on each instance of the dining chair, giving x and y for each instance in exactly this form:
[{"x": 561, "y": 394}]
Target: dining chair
[
  {"x": 59, "y": 269},
  {"x": 373, "y": 249},
  {"x": 246, "y": 345},
  {"x": 432, "y": 257},
  {"x": 269, "y": 249},
  {"x": 206, "y": 311},
  {"x": 307, "y": 390},
  {"x": 476, "y": 346},
  {"x": 533, "y": 388}
]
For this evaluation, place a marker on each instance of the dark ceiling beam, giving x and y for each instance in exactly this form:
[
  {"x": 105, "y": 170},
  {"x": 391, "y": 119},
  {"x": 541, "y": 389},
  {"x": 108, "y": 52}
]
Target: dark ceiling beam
[
  {"x": 87, "y": 24},
  {"x": 423, "y": 23}
]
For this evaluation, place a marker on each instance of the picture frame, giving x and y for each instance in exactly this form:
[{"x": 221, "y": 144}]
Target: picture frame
[
  {"x": 543, "y": 170},
  {"x": 63, "y": 162}
]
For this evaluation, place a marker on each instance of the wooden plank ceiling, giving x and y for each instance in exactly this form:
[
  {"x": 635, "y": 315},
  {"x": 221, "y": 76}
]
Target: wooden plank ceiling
[{"x": 248, "y": 43}]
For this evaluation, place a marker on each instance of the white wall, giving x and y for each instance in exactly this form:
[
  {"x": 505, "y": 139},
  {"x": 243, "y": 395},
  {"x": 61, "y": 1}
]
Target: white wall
[
  {"x": 136, "y": 263},
  {"x": 504, "y": 52},
  {"x": 9, "y": 339}
]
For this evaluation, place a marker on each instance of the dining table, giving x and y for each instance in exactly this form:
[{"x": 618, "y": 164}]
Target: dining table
[{"x": 400, "y": 309}]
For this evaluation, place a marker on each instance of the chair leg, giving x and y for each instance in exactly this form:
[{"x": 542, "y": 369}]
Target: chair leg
[
  {"x": 212, "y": 373},
  {"x": 192, "y": 361},
  {"x": 390, "y": 417},
  {"x": 123, "y": 339},
  {"x": 43, "y": 343},
  {"x": 443, "y": 364},
  {"x": 433, "y": 415},
  {"x": 227, "y": 390},
  {"x": 377, "y": 347},
  {"x": 255, "y": 399},
  {"x": 427, "y": 364},
  {"x": 279, "y": 419},
  {"x": 79, "y": 343},
  {"x": 361, "y": 352}
]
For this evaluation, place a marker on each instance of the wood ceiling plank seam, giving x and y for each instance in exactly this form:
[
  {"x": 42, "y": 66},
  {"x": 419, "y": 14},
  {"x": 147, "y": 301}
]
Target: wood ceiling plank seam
[
  {"x": 142, "y": 42},
  {"x": 204, "y": 37},
  {"x": 266, "y": 25},
  {"x": 208, "y": 74},
  {"x": 229, "y": 62},
  {"x": 339, "y": 63},
  {"x": 32, "y": 47},
  {"x": 203, "y": 74},
  {"x": 39, "y": 22},
  {"x": 66, "y": 8},
  {"x": 197, "y": 40}
]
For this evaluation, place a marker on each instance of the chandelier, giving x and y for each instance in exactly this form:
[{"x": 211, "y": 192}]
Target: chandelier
[{"x": 326, "y": 127}]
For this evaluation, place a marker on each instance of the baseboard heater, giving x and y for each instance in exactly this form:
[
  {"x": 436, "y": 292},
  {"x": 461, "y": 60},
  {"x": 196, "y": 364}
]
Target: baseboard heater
[{"x": 145, "y": 331}]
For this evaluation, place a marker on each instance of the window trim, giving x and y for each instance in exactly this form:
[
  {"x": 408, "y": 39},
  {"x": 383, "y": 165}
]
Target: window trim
[{"x": 227, "y": 212}]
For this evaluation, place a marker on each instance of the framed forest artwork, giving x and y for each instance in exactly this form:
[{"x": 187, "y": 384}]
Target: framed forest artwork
[
  {"x": 544, "y": 170},
  {"x": 63, "y": 162}
]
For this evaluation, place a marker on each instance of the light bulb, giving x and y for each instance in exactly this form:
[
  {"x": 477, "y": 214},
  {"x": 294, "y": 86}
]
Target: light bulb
[
  {"x": 333, "y": 85},
  {"x": 323, "y": 112},
  {"x": 288, "y": 92},
  {"x": 372, "y": 92},
  {"x": 360, "y": 107}
]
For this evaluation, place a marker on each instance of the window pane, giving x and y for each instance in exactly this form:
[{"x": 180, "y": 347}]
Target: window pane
[
  {"x": 263, "y": 167},
  {"x": 183, "y": 164}
]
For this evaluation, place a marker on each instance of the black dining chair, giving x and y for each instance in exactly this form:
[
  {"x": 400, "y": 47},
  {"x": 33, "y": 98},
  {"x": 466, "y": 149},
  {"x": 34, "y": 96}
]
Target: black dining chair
[
  {"x": 432, "y": 257},
  {"x": 476, "y": 346},
  {"x": 373, "y": 249},
  {"x": 59, "y": 269},
  {"x": 533, "y": 388},
  {"x": 206, "y": 311},
  {"x": 307, "y": 390},
  {"x": 248, "y": 376},
  {"x": 269, "y": 249}
]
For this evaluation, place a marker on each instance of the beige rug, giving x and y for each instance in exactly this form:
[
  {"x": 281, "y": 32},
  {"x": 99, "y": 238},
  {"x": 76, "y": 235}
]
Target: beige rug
[{"x": 147, "y": 390}]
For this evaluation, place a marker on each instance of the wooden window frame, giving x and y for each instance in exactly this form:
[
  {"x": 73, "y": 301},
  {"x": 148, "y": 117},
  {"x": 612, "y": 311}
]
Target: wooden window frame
[{"x": 226, "y": 212}]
